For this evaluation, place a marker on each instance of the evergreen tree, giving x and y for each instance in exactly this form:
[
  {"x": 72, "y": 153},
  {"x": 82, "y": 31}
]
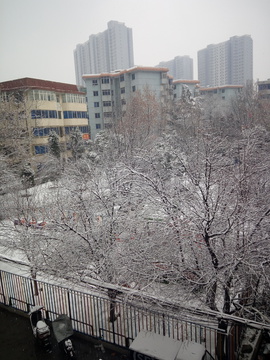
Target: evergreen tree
[
  {"x": 28, "y": 176},
  {"x": 76, "y": 143},
  {"x": 54, "y": 144}
]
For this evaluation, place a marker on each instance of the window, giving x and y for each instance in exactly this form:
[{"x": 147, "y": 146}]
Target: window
[
  {"x": 123, "y": 90},
  {"x": 133, "y": 76},
  {"x": 122, "y": 78},
  {"x": 83, "y": 129},
  {"x": 98, "y": 126},
  {"x": 96, "y": 104},
  {"x": 106, "y": 92},
  {"x": 97, "y": 115},
  {"x": 94, "y": 82},
  {"x": 107, "y": 103},
  {"x": 73, "y": 98},
  {"x": 42, "y": 95},
  {"x": 105, "y": 80},
  {"x": 75, "y": 115},
  {"x": 95, "y": 93},
  {"x": 107, "y": 114},
  {"x": 44, "y": 131},
  {"x": 44, "y": 114},
  {"x": 133, "y": 88},
  {"x": 123, "y": 102},
  {"x": 41, "y": 149}
]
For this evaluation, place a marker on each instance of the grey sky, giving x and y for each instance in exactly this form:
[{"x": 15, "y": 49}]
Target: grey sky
[{"x": 37, "y": 37}]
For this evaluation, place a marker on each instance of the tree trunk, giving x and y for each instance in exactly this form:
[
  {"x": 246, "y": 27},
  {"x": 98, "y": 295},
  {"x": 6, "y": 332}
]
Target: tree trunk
[
  {"x": 112, "y": 295},
  {"x": 211, "y": 296}
]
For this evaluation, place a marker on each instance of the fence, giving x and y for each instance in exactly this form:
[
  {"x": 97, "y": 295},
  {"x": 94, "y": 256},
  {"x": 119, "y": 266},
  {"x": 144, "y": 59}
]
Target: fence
[{"x": 91, "y": 315}]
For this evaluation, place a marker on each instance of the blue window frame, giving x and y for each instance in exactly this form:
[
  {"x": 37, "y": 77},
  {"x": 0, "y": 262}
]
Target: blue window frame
[
  {"x": 45, "y": 131},
  {"x": 41, "y": 149},
  {"x": 83, "y": 129},
  {"x": 44, "y": 114},
  {"x": 75, "y": 115}
]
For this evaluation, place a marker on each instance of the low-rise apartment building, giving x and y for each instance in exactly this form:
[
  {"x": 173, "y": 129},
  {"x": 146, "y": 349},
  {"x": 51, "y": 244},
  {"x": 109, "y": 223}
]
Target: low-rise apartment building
[
  {"x": 264, "y": 89},
  {"x": 225, "y": 92},
  {"x": 109, "y": 93},
  {"x": 49, "y": 106},
  {"x": 180, "y": 85}
]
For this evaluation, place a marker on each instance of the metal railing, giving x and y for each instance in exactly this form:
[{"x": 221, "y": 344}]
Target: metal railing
[{"x": 91, "y": 314}]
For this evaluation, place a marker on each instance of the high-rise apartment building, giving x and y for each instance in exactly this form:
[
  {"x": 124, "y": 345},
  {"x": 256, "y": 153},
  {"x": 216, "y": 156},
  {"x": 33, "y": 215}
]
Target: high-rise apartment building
[
  {"x": 226, "y": 63},
  {"x": 109, "y": 93},
  {"x": 180, "y": 68},
  {"x": 105, "y": 52}
]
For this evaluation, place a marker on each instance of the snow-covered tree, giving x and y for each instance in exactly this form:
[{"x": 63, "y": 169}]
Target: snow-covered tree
[
  {"x": 54, "y": 144},
  {"x": 76, "y": 143},
  {"x": 214, "y": 204},
  {"x": 15, "y": 133}
]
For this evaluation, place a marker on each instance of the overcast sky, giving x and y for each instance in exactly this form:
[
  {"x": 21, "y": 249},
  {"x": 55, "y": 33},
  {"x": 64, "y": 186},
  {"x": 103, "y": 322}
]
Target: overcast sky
[{"x": 37, "y": 37}]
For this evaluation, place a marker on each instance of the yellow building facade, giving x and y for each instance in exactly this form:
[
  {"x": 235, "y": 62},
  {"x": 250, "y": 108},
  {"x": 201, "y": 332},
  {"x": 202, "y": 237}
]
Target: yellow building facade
[{"x": 49, "y": 106}]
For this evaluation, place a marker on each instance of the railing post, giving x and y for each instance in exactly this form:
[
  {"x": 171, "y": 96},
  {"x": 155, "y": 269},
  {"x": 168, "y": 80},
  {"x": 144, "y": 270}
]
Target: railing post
[{"x": 2, "y": 287}]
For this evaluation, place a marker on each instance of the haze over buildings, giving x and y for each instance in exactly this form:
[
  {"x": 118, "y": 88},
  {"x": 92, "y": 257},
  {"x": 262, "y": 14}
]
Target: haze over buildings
[
  {"x": 181, "y": 67},
  {"x": 226, "y": 63},
  {"x": 38, "y": 38},
  {"x": 107, "y": 51}
]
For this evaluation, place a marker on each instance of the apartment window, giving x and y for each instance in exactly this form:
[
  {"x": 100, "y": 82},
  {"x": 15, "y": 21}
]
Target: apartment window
[
  {"x": 41, "y": 149},
  {"x": 45, "y": 131},
  {"x": 73, "y": 98},
  {"x": 122, "y": 78},
  {"x": 42, "y": 95},
  {"x": 97, "y": 115},
  {"x": 106, "y": 92},
  {"x": 95, "y": 93},
  {"x": 44, "y": 114},
  {"x": 107, "y": 103},
  {"x": 123, "y": 102},
  {"x": 107, "y": 114},
  {"x": 75, "y": 115},
  {"x": 133, "y": 88},
  {"x": 94, "y": 82},
  {"x": 105, "y": 80},
  {"x": 133, "y": 76},
  {"x": 98, "y": 126},
  {"x": 83, "y": 129},
  {"x": 96, "y": 104},
  {"x": 123, "y": 90}
]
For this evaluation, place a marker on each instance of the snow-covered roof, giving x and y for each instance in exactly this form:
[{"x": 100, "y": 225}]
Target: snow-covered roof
[{"x": 164, "y": 348}]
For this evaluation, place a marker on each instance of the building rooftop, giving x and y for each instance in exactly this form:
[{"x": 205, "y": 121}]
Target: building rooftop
[
  {"x": 30, "y": 83},
  {"x": 221, "y": 87},
  {"x": 120, "y": 72},
  {"x": 186, "y": 82}
]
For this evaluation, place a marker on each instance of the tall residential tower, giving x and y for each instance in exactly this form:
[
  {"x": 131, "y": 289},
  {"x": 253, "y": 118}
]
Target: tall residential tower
[
  {"x": 226, "y": 63},
  {"x": 180, "y": 68},
  {"x": 105, "y": 52}
]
